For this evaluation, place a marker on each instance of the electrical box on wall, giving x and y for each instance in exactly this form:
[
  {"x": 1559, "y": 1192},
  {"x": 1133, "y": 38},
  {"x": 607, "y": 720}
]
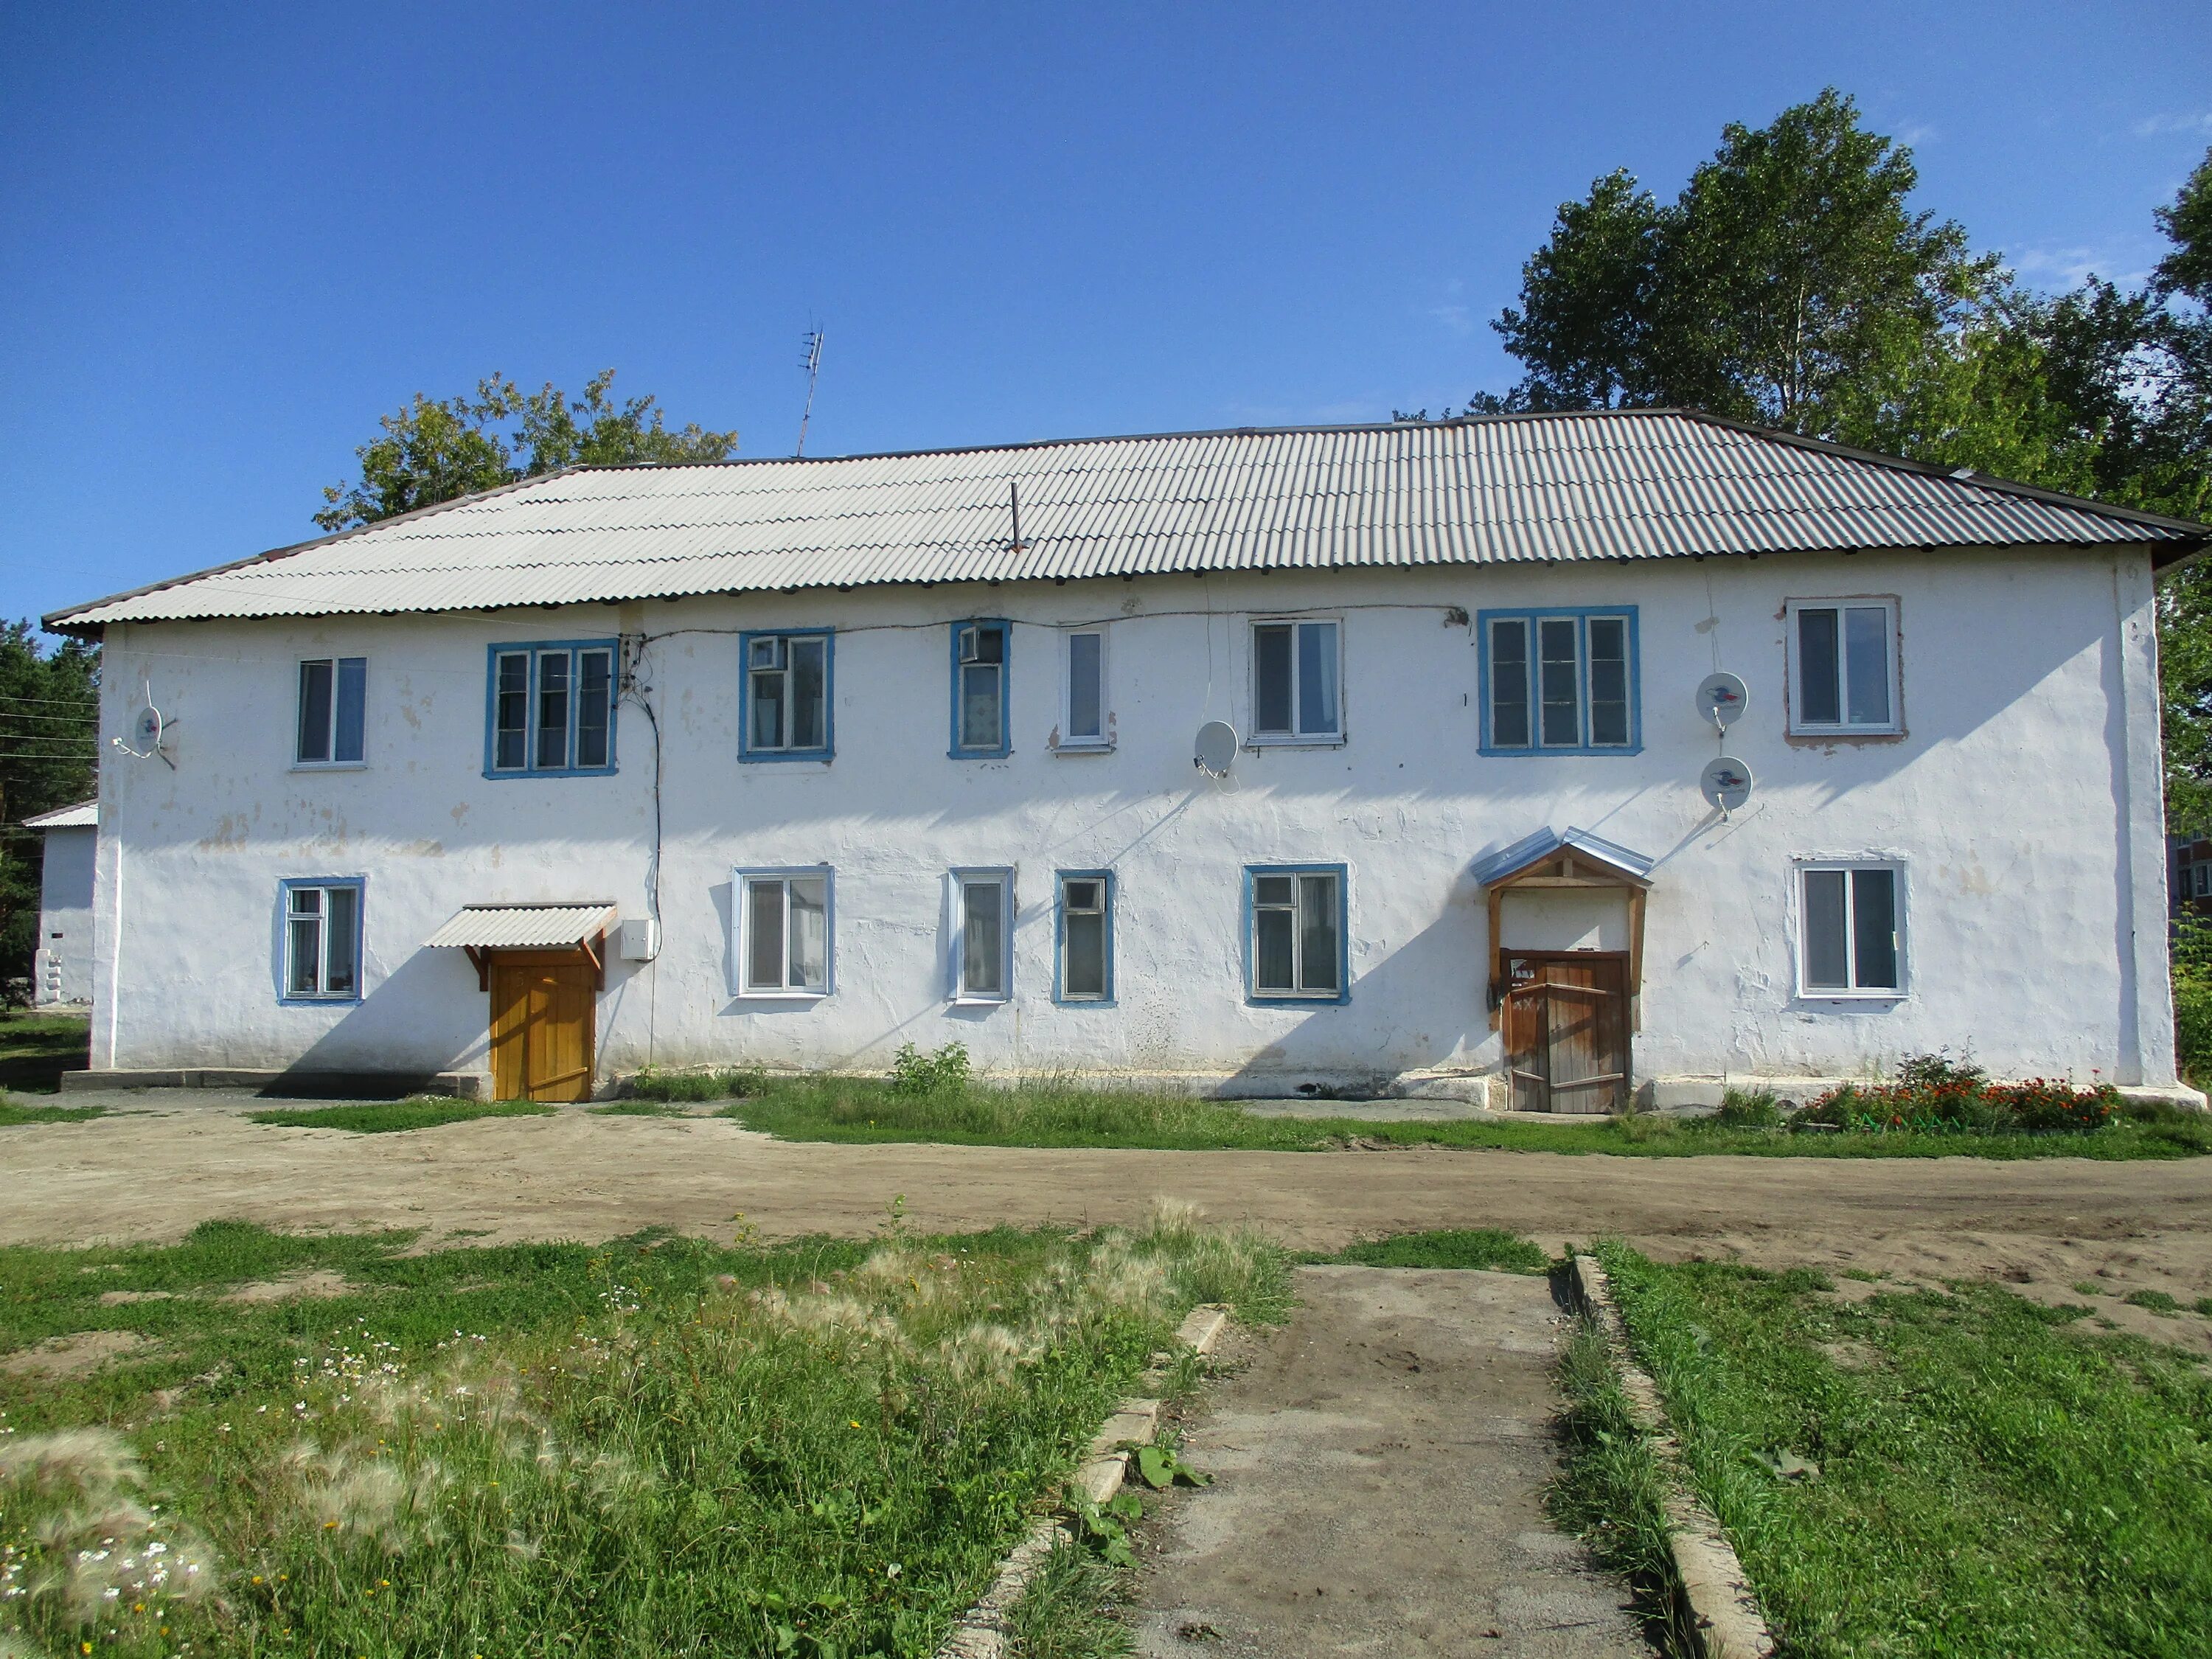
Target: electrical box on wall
[{"x": 638, "y": 941}]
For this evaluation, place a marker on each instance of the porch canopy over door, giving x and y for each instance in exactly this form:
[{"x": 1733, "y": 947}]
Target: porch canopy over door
[
  {"x": 543, "y": 965},
  {"x": 1567, "y": 1009}
]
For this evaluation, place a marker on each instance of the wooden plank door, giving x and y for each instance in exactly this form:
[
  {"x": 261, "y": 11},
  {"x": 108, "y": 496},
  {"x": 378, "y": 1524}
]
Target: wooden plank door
[
  {"x": 1566, "y": 1029},
  {"x": 543, "y": 1015}
]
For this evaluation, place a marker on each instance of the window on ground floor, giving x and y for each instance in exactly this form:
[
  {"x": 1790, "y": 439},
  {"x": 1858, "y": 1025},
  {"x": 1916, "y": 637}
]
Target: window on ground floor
[
  {"x": 322, "y": 939},
  {"x": 784, "y": 932},
  {"x": 1852, "y": 928},
  {"x": 984, "y": 928},
  {"x": 1085, "y": 972},
  {"x": 1295, "y": 935}
]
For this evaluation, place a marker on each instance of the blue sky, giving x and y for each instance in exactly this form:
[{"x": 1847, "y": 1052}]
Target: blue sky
[{"x": 231, "y": 237}]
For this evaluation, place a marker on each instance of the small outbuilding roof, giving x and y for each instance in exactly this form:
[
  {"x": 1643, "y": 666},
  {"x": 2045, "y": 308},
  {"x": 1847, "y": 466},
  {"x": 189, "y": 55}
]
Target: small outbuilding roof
[
  {"x": 85, "y": 815},
  {"x": 525, "y": 926},
  {"x": 1607, "y": 484},
  {"x": 1494, "y": 868}
]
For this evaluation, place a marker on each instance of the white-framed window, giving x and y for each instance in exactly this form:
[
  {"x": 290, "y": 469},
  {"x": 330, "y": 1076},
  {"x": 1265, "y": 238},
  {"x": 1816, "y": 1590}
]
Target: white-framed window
[
  {"x": 786, "y": 696},
  {"x": 980, "y": 654},
  {"x": 786, "y": 939},
  {"x": 551, "y": 709},
  {"x": 1842, "y": 667},
  {"x": 1298, "y": 690},
  {"x": 1085, "y": 970},
  {"x": 1294, "y": 937},
  {"x": 983, "y": 935},
  {"x": 322, "y": 938},
  {"x": 333, "y": 710},
  {"x": 2199, "y": 879},
  {"x": 1851, "y": 929},
  {"x": 1086, "y": 721},
  {"x": 1559, "y": 682}
]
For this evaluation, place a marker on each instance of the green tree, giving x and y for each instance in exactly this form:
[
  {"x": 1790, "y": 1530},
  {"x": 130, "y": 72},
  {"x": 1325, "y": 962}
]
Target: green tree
[
  {"x": 1788, "y": 277},
  {"x": 432, "y": 451},
  {"x": 49, "y": 711}
]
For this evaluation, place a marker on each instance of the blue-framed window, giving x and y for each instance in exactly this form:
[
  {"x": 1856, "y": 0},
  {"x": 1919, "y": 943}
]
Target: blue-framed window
[
  {"x": 983, "y": 653},
  {"x": 787, "y": 696},
  {"x": 982, "y": 935},
  {"x": 1297, "y": 675},
  {"x": 1083, "y": 963},
  {"x": 320, "y": 917},
  {"x": 1559, "y": 682},
  {"x": 334, "y": 711},
  {"x": 1296, "y": 947},
  {"x": 550, "y": 709},
  {"x": 787, "y": 943}
]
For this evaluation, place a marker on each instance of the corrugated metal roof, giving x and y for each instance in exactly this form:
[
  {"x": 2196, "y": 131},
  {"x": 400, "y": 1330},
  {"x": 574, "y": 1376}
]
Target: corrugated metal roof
[
  {"x": 85, "y": 815},
  {"x": 1609, "y": 484},
  {"x": 1534, "y": 848},
  {"x": 525, "y": 926}
]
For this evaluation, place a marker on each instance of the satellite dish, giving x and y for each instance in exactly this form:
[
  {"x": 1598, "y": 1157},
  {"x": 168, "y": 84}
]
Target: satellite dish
[
  {"x": 1726, "y": 783},
  {"x": 146, "y": 729},
  {"x": 1216, "y": 748},
  {"x": 1721, "y": 699}
]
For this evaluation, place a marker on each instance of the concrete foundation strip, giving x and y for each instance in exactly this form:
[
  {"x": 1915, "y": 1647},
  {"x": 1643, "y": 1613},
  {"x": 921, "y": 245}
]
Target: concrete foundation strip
[
  {"x": 1721, "y": 1612},
  {"x": 981, "y": 1632}
]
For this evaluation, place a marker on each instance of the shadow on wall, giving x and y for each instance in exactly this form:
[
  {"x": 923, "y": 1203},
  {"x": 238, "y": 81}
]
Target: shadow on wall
[
  {"x": 425, "y": 1017},
  {"x": 1359, "y": 1047}
]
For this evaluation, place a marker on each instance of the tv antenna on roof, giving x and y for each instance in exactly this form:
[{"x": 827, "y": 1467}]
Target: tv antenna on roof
[{"x": 812, "y": 365}]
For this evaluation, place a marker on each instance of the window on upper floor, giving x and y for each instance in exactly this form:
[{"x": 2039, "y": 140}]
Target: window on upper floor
[
  {"x": 1086, "y": 722},
  {"x": 983, "y": 926},
  {"x": 1559, "y": 682},
  {"x": 784, "y": 932},
  {"x": 333, "y": 709},
  {"x": 1842, "y": 667},
  {"x": 980, "y": 664},
  {"x": 551, "y": 709},
  {"x": 1297, "y": 682},
  {"x": 1084, "y": 972},
  {"x": 322, "y": 939},
  {"x": 1851, "y": 930},
  {"x": 786, "y": 697},
  {"x": 1294, "y": 942}
]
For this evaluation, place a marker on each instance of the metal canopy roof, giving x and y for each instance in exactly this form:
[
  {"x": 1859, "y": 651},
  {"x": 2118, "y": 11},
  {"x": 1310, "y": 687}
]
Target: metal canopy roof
[
  {"x": 525, "y": 926},
  {"x": 1607, "y": 484},
  {"x": 85, "y": 815},
  {"x": 1489, "y": 871}
]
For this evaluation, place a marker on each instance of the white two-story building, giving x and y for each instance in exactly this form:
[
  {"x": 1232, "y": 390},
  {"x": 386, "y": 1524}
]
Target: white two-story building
[{"x": 788, "y": 762}]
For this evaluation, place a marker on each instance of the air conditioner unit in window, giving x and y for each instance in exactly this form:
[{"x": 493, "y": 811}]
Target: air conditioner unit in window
[{"x": 767, "y": 653}]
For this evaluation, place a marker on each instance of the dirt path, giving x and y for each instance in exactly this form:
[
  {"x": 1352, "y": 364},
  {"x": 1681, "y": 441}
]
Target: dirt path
[
  {"x": 2042, "y": 1225},
  {"x": 1379, "y": 1471}
]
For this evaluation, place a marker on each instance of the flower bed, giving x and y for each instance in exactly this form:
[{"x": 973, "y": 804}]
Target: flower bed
[{"x": 1936, "y": 1094}]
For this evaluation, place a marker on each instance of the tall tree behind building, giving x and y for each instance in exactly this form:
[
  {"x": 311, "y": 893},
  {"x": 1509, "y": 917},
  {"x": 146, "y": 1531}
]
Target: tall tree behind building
[
  {"x": 1792, "y": 283},
  {"x": 49, "y": 723}
]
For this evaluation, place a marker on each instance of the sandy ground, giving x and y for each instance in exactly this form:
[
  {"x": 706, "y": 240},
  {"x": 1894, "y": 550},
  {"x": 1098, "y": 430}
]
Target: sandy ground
[
  {"x": 153, "y": 1168},
  {"x": 1378, "y": 1478}
]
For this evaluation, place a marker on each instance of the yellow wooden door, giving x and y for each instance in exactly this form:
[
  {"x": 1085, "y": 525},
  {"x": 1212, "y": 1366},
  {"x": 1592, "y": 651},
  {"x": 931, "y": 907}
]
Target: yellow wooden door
[{"x": 543, "y": 1009}]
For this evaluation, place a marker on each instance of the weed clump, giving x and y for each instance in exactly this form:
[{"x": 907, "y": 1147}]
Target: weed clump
[
  {"x": 738, "y": 1083},
  {"x": 917, "y": 1076}
]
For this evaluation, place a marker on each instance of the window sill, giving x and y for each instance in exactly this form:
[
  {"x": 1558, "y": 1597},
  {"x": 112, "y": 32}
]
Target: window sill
[
  {"x": 783, "y": 996},
  {"x": 1299, "y": 741},
  {"x": 980, "y": 1002},
  {"x": 1810, "y": 735},
  {"x": 347, "y": 1001},
  {"x": 818, "y": 757},
  {"x": 1257, "y": 1001},
  {"x": 329, "y": 766},
  {"x": 563, "y": 772},
  {"x": 1856, "y": 997},
  {"x": 1082, "y": 748},
  {"x": 1611, "y": 751},
  {"x": 1083, "y": 1002},
  {"x": 978, "y": 754}
]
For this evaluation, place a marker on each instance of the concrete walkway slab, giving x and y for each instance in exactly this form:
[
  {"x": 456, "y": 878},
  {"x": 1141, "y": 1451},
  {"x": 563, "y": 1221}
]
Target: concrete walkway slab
[{"x": 1379, "y": 1474}]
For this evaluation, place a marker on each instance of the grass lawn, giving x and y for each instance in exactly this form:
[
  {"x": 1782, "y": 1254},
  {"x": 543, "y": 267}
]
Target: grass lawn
[
  {"x": 861, "y": 1109},
  {"x": 35, "y": 1049},
  {"x": 1490, "y": 1248},
  {"x": 1963, "y": 1473},
  {"x": 379, "y": 1117},
  {"x": 653, "y": 1447},
  {"x": 13, "y": 1112}
]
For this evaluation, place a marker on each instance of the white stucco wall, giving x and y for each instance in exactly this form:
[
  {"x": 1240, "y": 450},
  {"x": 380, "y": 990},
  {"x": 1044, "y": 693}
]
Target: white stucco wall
[
  {"x": 2023, "y": 803},
  {"x": 61, "y": 967}
]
